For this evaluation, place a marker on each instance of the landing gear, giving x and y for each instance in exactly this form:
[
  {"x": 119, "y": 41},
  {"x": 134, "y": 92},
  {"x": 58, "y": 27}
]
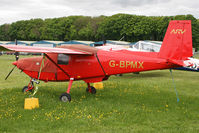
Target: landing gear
[
  {"x": 25, "y": 89},
  {"x": 30, "y": 86},
  {"x": 91, "y": 89},
  {"x": 65, "y": 97},
  {"x": 136, "y": 73}
]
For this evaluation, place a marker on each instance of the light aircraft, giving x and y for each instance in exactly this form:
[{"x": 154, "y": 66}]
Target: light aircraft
[{"x": 78, "y": 62}]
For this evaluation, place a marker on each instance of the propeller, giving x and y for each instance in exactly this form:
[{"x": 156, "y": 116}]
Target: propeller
[
  {"x": 10, "y": 73},
  {"x": 14, "y": 63}
]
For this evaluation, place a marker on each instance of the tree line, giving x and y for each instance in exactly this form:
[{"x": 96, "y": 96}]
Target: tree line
[{"x": 129, "y": 27}]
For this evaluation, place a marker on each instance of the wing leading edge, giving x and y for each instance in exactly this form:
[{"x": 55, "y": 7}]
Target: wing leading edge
[{"x": 31, "y": 49}]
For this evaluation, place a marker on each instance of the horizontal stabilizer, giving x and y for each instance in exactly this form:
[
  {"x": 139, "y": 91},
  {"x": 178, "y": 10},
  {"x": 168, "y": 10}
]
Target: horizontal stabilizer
[
  {"x": 183, "y": 63},
  {"x": 178, "y": 62}
]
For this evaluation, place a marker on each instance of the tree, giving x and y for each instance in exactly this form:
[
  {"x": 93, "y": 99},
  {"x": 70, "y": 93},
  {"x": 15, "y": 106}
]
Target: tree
[
  {"x": 4, "y": 32},
  {"x": 115, "y": 27},
  {"x": 111, "y": 27}
]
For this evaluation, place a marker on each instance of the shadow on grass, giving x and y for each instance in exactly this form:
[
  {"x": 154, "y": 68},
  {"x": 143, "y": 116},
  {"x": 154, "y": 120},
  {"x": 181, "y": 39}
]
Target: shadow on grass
[
  {"x": 145, "y": 75},
  {"x": 55, "y": 93}
]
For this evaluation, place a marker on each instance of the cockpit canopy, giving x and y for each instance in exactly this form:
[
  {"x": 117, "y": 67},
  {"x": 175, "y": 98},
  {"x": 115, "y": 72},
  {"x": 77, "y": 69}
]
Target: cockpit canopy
[{"x": 149, "y": 46}]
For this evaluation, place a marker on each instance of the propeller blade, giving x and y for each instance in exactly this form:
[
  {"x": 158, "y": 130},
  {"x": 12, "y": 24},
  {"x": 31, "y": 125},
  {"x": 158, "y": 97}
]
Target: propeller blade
[
  {"x": 16, "y": 53},
  {"x": 17, "y": 56},
  {"x": 10, "y": 73}
]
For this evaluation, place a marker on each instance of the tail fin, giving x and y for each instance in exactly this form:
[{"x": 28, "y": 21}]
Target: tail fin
[{"x": 177, "y": 43}]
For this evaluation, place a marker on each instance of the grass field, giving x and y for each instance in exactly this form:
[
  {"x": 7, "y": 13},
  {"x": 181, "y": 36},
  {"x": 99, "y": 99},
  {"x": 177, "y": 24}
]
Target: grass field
[{"x": 131, "y": 103}]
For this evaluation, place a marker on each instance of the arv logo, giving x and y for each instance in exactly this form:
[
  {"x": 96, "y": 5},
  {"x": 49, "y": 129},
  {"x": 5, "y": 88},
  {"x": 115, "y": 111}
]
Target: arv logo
[{"x": 177, "y": 31}]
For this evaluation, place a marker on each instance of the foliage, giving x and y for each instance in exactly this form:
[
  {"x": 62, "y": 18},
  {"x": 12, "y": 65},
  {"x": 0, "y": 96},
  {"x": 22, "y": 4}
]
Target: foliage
[{"x": 129, "y": 27}]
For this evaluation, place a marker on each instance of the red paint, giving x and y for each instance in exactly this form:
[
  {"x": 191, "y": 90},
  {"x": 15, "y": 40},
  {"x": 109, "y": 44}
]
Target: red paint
[
  {"x": 70, "y": 85},
  {"x": 177, "y": 43}
]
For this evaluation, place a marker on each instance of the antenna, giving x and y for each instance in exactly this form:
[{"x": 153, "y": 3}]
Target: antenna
[{"x": 121, "y": 38}]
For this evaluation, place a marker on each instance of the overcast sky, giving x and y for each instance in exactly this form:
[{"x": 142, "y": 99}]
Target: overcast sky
[{"x": 14, "y": 10}]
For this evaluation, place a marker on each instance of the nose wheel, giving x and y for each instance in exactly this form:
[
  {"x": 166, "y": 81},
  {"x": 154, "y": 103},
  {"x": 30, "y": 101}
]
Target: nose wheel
[
  {"x": 30, "y": 86},
  {"x": 25, "y": 89}
]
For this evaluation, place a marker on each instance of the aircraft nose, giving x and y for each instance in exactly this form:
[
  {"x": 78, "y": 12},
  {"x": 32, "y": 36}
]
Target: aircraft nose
[{"x": 15, "y": 63}]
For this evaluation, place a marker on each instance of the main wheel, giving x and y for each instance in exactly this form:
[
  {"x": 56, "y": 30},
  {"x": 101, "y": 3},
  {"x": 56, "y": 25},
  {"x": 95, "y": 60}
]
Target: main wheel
[
  {"x": 25, "y": 88},
  {"x": 136, "y": 73},
  {"x": 92, "y": 90},
  {"x": 65, "y": 97}
]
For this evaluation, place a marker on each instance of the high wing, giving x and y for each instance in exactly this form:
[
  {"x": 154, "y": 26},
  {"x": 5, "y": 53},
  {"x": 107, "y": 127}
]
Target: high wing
[{"x": 78, "y": 49}]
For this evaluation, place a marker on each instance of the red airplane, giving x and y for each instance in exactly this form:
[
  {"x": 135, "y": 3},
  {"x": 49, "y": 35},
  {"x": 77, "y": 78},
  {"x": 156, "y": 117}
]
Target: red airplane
[{"x": 79, "y": 62}]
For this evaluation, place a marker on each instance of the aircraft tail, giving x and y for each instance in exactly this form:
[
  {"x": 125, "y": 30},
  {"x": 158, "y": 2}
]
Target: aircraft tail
[{"x": 177, "y": 43}]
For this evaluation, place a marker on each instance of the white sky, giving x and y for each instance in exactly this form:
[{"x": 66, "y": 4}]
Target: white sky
[{"x": 14, "y": 10}]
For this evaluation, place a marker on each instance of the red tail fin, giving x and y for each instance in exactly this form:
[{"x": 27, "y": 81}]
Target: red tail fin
[{"x": 177, "y": 43}]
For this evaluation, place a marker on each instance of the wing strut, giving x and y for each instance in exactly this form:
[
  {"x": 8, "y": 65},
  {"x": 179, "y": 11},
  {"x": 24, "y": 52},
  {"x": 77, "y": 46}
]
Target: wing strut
[
  {"x": 57, "y": 65},
  {"x": 39, "y": 74}
]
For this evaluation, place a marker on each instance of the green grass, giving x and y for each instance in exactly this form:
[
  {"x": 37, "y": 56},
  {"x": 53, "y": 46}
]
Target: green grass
[{"x": 131, "y": 103}]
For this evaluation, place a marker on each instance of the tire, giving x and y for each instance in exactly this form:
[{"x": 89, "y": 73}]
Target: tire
[
  {"x": 136, "y": 73},
  {"x": 65, "y": 97},
  {"x": 92, "y": 91},
  {"x": 25, "y": 88}
]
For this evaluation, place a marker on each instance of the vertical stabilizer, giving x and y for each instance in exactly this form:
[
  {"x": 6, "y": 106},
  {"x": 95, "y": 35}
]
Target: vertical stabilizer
[{"x": 177, "y": 43}]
